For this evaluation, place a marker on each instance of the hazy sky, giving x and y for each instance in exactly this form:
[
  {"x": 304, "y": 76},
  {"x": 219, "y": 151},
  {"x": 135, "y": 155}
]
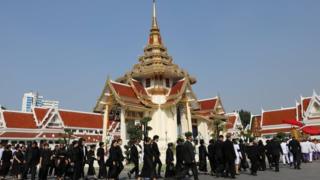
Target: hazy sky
[{"x": 254, "y": 54}]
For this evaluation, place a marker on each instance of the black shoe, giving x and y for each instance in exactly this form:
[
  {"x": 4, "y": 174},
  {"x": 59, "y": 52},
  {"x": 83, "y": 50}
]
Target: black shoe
[{"x": 129, "y": 175}]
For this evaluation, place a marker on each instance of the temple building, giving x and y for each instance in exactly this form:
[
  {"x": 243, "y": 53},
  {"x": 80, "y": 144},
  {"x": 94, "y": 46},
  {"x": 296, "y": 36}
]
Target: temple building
[
  {"x": 234, "y": 124},
  {"x": 303, "y": 117},
  {"x": 158, "y": 88}
]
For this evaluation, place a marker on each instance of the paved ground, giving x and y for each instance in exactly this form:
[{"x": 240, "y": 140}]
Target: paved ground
[{"x": 309, "y": 171}]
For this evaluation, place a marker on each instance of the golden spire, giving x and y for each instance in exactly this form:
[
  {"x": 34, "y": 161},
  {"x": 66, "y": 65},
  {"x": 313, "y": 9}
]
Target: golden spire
[
  {"x": 155, "y": 37},
  {"x": 154, "y": 16}
]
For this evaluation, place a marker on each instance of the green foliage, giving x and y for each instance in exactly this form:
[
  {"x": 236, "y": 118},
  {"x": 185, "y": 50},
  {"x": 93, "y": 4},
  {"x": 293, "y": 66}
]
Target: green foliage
[
  {"x": 245, "y": 117},
  {"x": 136, "y": 131},
  {"x": 281, "y": 136}
]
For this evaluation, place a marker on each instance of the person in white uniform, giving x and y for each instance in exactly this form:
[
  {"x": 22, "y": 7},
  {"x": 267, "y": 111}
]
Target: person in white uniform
[
  {"x": 285, "y": 153},
  {"x": 238, "y": 155}
]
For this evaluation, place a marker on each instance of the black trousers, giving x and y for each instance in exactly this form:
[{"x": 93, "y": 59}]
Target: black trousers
[
  {"x": 186, "y": 169},
  {"x": 219, "y": 167},
  {"x": 254, "y": 166},
  {"x": 296, "y": 160},
  {"x": 212, "y": 165},
  {"x": 43, "y": 172},
  {"x": 230, "y": 168},
  {"x": 102, "y": 170},
  {"x": 275, "y": 160},
  {"x": 157, "y": 162},
  {"x": 135, "y": 169},
  {"x": 33, "y": 170}
]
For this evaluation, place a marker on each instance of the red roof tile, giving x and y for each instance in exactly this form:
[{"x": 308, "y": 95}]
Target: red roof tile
[
  {"x": 139, "y": 87},
  {"x": 209, "y": 104},
  {"x": 275, "y": 131},
  {"x": 305, "y": 104},
  {"x": 19, "y": 120},
  {"x": 231, "y": 121},
  {"x": 81, "y": 120},
  {"x": 277, "y": 117},
  {"x": 40, "y": 113},
  {"x": 123, "y": 90},
  {"x": 177, "y": 87},
  {"x": 23, "y": 135}
]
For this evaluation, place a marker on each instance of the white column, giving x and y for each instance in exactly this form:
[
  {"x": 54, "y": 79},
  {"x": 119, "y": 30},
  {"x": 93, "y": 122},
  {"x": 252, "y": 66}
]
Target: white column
[
  {"x": 123, "y": 127},
  {"x": 105, "y": 124},
  {"x": 189, "y": 119}
]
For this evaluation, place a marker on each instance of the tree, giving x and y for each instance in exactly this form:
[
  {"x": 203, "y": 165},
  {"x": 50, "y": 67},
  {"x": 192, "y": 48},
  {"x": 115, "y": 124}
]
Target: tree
[
  {"x": 218, "y": 127},
  {"x": 136, "y": 131},
  {"x": 245, "y": 117},
  {"x": 281, "y": 135}
]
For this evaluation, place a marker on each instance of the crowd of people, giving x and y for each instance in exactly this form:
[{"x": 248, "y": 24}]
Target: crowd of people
[{"x": 227, "y": 157}]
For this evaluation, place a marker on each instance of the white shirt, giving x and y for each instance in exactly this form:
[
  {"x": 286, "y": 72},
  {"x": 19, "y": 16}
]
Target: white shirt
[
  {"x": 237, "y": 150},
  {"x": 1, "y": 152},
  {"x": 284, "y": 148},
  {"x": 318, "y": 147}
]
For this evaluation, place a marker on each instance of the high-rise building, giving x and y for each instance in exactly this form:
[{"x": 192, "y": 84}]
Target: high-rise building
[{"x": 32, "y": 99}]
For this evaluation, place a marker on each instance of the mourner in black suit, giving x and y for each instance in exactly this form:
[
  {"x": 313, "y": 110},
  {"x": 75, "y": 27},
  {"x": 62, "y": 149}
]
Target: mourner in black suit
[
  {"x": 229, "y": 155},
  {"x": 211, "y": 156},
  {"x": 101, "y": 161},
  {"x": 148, "y": 170},
  {"x": 203, "y": 154},
  {"x": 218, "y": 156},
  {"x": 179, "y": 156},
  {"x": 120, "y": 157},
  {"x": 295, "y": 149},
  {"x": 5, "y": 162},
  {"x": 276, "y": 150},
  {"x": 78, "y": 159},
  {"x": 45, "y": 161},
  {"x": 254, "y": 156},
  {"x": 134, "y": 158},
  {"x": 189, "y": 158},
  {"x": 169, "y": 162},
  {"x": 157, "y": 154},
  {"x": 262, "y": 156}
]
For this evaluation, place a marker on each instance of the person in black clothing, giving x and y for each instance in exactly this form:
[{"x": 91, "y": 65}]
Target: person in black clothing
[
  {"x": 295, "y": 149},
  {"x": 254, "y": 156},
  {"x": 203, "y": 153},
  {"x": 269, "y": 153},
  {"x": 156, "y": 152},
  {"x": 189, "y": 158},
  {"x": 114, "y": 160},
  {"x": 244, "y": 163},
  {"x": 229, "y": 157},
  {"x": 78, "y": 160},
  {"x": 262, "y": 156},
  {"x": 91, "y": 159},
  {"x": 45, "y": 160},
  {"x": 61, "y": 164},
  {"x": 218, "y": 156},
  {"x": 101, "y": 161},
  {"x": 169, "y": 162},
  {"x": 52, "y": 168},
  {"x": 179, "y": 156},
  {"x": 148, "y": 170},
  {"x": 134, "y": 158},
  {"x": 5, "y": 162},
  {"x": 211, "y": 156},
  {"x": 276, "y": 150},
  {"x": 120, "y": 157},
  {"x": 17, "y": 165},
  {"x": 34, "y": 159}
]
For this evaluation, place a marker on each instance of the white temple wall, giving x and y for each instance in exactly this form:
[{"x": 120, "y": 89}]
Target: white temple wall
[
  {"x": 164, "y": 124},
  {"x": 203, "y": 132}
]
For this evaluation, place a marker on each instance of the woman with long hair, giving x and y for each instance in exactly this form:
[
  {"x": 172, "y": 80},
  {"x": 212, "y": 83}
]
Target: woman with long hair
[{"x": 148, "y": 169}]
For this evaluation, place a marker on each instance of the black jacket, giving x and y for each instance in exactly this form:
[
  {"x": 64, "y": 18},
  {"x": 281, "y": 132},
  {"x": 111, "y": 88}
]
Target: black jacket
[
  {"x": 134, "y": 154},
  {"x": 155, "y": 150},
  {"x": 275, "y": 148},
  {"x": 188, "y": 153},
  {"x": 211, "y": 152},
  {"x": 294, "y": 146},
  {"x": 229, "y": 153},
  {"x": 169, "y": 156},
  {"x": 179, "y": 153},
  {"x": 218, "y": 150}
]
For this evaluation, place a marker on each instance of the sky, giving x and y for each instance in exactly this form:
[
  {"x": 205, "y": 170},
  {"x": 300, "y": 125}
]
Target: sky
[{"x": 253, "y": 54}]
